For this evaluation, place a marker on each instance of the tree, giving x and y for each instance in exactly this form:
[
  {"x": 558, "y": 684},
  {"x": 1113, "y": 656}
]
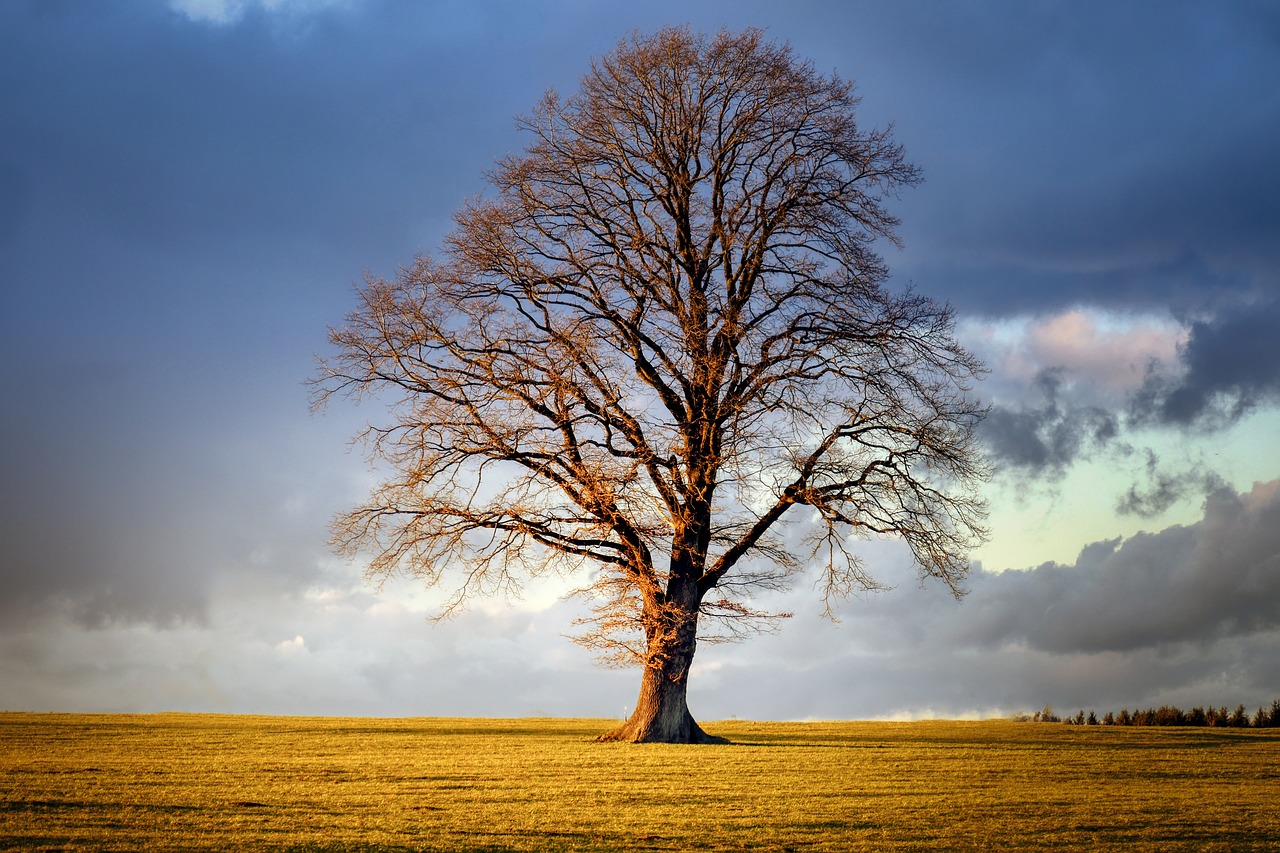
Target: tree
[
  {"x": 664, "y": 337},
  {"x": 1046, "y": 715}
]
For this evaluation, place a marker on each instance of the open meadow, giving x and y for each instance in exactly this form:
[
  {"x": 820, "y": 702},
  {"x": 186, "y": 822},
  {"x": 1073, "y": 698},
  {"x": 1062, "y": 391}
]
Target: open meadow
[{"x": 190, "y": 782}]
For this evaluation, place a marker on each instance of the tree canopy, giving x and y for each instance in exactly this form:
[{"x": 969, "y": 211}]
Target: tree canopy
[{"x": 664, "y": 334}]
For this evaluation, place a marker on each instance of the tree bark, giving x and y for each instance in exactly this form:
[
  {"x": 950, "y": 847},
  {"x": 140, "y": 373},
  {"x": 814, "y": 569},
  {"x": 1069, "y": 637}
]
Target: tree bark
[{"x": 662, "y": 713}]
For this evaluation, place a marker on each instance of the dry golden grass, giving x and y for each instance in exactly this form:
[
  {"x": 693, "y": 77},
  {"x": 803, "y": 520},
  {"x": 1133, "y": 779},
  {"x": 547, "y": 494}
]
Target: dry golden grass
[{"x": 191, "y": 782}]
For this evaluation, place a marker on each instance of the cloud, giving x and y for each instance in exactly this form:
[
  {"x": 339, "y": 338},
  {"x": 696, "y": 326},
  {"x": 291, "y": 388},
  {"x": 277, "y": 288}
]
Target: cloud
[
  {"x": 226, "y": 12},
  {"x": 1074, "y": 385},
  {"x": 1218, "y": 578},
  {"x": 210, "y": 11},
  {"x": 187, "y": 191},
  {"x": 352, "y": 653},
  {"x": 1230, "y": 366},
  {"x": 1164, "y": 488},
  {"x": 1059, "y": 382},
  {"x": 1123, "y": 194},
  {"x": 1096, "y": 348},
  {"x": 1046, "y": 436},
  {"x": 291, "y": 648},
  {"x": 1187, "y": 615},
  {"x": 141, "y": 516}
]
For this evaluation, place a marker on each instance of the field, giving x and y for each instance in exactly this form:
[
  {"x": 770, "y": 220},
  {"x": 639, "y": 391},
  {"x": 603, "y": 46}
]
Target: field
[{"x": 190, "y": 782}]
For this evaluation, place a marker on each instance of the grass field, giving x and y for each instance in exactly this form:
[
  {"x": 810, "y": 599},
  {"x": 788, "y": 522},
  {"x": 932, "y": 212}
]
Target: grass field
[{"x": 187, "y": 782}]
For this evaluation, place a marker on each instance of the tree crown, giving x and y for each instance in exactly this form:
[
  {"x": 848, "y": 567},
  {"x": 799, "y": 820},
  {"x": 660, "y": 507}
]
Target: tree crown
[{"x": 665, "y": 329}]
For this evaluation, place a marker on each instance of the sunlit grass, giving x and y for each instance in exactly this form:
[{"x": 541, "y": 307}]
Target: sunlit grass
[{"x": 226, "y": 782}]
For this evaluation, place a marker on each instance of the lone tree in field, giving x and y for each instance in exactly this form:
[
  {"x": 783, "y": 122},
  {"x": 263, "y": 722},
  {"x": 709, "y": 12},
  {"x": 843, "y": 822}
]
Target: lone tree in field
[{"x": 665, "y": 332}]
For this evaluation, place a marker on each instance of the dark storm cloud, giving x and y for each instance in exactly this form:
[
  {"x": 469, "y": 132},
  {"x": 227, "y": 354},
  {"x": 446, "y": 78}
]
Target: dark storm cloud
[
  {"x": 166, "y": 134},
  {"x": 1231, "y": 367},
  {"x": 182, "y": 210},
  {"x": 992, "y": 682},
  {"x": 1217, "y": 578},
  {"x": 103, "y": 530},
  {"x": 1163, "y": 488},
  {"x": 1227, "y": 368},
  {"x": 1045, "y": 436},
  {"x": 1145, "y": 174},
  {"x": 1038, "y": 440}
]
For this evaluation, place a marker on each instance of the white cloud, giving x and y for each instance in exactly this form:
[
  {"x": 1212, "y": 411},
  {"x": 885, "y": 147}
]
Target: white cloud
[
  {"x": 226, "y": 12},
  {"x": 1098, "y": 348},
  {"x": 292, "y": 648},
  {"x": 1093, "y": 349},
  {"x": 209, "y": 11}
]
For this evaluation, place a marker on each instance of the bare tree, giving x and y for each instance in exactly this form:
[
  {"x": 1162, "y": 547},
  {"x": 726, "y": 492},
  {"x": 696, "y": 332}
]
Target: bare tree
[{"x": 666, "y": 330}]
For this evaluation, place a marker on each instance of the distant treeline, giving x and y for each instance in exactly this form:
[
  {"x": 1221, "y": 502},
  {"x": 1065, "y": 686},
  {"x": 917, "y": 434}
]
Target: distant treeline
[{"x": 1167, "y": 715}]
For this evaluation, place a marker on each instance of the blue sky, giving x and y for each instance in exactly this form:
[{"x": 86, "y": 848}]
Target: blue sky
[{"x": 189, "y": 190}]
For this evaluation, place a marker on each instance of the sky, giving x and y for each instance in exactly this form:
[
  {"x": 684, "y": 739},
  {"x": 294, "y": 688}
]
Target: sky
[{"x": 191, "y": 189}]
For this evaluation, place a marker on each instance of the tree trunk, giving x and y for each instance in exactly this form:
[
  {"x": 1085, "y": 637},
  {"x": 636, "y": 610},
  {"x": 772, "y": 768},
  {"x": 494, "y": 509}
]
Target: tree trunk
[{"x": 662, "y": 712}]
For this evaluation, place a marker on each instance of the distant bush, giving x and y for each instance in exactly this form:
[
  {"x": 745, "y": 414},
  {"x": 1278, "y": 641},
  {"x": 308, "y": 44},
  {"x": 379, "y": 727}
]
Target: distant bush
[
  {"x": 1045, "y": 716},
  {"x": 1167, "y": 715}
]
